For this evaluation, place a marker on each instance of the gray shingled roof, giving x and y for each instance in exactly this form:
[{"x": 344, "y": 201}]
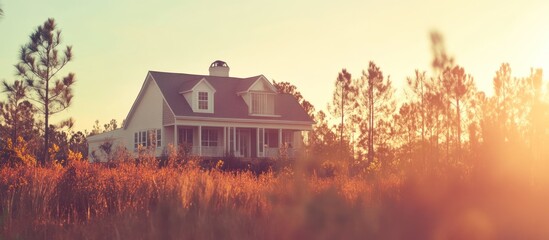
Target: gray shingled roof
[
  {"x": 188, "y": 85},
  {"x": 227, "y": 104}
]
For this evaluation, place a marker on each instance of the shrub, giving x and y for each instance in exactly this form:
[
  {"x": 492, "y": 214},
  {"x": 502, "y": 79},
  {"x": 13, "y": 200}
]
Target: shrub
[{"x": 16, "y": 154}]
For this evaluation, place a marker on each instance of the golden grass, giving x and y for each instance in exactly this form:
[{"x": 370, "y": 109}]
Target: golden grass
[{"x": 89, "y": 201}]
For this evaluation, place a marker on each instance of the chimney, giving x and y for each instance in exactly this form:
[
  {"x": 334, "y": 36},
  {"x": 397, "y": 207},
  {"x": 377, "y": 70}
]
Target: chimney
[{"x": 219, "y": 69}]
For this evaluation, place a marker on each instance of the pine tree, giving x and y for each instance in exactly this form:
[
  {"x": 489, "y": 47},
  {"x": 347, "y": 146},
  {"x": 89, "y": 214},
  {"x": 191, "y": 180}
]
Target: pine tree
[
  {"x": 17, "y": 114},
  {"x": 376, "y": 96},
  {"x": 40, "y": 63},
  {"x": 343, "y": 103},
  {"x": 461, "y": 89}
]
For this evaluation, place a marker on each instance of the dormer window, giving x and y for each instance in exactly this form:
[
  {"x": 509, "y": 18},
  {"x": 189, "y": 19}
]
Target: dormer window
[
  {"x": 262, "y": 103},
  {"x": 260, "y": 96},
  {"x": 200, "y": 95},
  {"x": 203, "y": 100}
]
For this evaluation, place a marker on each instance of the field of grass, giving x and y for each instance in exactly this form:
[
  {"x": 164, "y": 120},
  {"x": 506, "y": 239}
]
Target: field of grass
[{"x": 90, "y": 201}]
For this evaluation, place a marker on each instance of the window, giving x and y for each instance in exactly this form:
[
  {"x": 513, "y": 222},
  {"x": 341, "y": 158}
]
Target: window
[
  {"x": 136, "y": 140},
  {"x": 209, "y": 138},
  {"x": 262, "y": 103},
  {"x": 271, "y": 138},
  {"x": 158, "y": 138},
  {"x": 143, "y": 137},
  {"x": 186, "y": 136},
  {"x": 203, "y": 100},
  {"x": 288, "y": 139},
  {"x": 147, "y": 138}
]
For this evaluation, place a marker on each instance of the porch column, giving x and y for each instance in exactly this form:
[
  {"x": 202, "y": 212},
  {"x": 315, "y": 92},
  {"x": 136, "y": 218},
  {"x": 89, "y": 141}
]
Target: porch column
[
  {"x": 279, "y": 137},
  {"x": 224, "y": 140},
  {"x": 175, "y": 136},
  {"x": 260, "y": 142},
  {"x": 199, "y": 140},
  {"x": 234, "y": 140}
]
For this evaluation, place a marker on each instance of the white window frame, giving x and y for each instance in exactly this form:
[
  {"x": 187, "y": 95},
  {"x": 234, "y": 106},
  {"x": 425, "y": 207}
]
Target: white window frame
[
  {"x": 203, "y": 101},
  {"x": 147, "y": 138},
  {"x": 158, "y": 138},
  {"x": 210, "y": 138},
  {"x": 186, "y": 135}
]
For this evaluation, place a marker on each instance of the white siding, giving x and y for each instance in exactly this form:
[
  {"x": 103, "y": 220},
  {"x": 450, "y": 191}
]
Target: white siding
[
  {"x": 248, "y": 100},
  {"x": 167, "y": 115},
  {"x": 168, "y": 136},
  {"x": 147, "y": 115},
  {"x": 116, "y": 137},
  {"x": 192, "y": 96},
  {"x": 260, "y": 86},
  {"x": 298, "y": 139},
  {"x": 189, "y": 97},
  {"x": 202, "y": 87}
]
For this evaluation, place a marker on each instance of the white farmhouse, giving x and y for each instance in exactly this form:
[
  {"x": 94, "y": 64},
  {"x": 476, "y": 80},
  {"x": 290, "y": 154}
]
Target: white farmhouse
[{"x": 212, "y": 115}]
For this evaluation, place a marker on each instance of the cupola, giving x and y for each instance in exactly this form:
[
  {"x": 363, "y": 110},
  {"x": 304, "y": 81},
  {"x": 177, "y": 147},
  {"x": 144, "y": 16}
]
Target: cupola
[{"x": 219, "y": 69}]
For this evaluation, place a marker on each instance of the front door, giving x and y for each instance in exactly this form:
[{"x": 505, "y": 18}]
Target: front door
[
  {"x": 243, "y": 142},
  {"x": 185, "y": 140}
]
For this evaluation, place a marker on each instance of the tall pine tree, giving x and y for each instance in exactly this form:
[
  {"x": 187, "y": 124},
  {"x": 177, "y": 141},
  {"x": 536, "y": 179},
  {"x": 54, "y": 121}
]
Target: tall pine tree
[{"x": 40, "y": 63}]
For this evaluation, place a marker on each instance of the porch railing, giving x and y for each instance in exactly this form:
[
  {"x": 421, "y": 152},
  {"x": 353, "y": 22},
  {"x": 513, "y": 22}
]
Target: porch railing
[
  {"x": 274, "y": 152},
  {"x": 270, "y": 152},
  {"x": 209, "y": 151}
]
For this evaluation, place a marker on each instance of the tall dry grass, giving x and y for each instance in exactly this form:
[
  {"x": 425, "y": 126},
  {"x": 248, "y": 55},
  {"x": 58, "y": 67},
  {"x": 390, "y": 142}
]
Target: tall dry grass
[{"x": 129, "y": 201}]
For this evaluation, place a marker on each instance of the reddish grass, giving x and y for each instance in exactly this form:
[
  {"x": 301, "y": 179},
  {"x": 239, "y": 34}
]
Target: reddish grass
[{"x": 90, "y": 201}]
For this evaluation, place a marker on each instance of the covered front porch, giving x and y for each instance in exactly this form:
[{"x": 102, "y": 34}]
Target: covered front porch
[{"x": 244, "y": 142}]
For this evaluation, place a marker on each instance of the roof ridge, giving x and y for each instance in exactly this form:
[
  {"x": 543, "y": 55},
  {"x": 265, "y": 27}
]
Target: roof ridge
[{"x": 205, "y": 76}]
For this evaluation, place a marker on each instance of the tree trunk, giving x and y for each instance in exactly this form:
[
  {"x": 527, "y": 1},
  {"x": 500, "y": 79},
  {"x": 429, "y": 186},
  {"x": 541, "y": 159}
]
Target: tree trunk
[
  {"x": 458, "y": 129},
  {"x": 423, "y": 143},
  {"x": 448, "y": 126},
  {"x": 15, "y": 123},
  {"x": 371, "y": 123},
  {"x": 342, "y": 117},
  {"x": 47, "y": 111},
  {"x": 46, "y": 133}
]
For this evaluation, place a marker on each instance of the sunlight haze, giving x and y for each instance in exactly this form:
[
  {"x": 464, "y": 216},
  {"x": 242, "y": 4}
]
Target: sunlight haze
[{"x": 306, "y": 43}]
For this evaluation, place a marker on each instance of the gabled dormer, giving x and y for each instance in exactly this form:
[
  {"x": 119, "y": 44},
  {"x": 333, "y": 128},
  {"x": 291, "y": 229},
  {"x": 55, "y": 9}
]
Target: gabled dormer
[
  {"x": 259, "y": 95},
  {"x": 200, "y": 95}
]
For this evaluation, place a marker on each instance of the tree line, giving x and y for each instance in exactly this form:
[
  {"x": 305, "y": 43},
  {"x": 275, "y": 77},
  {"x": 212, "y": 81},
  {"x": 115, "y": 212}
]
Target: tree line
[{"x": 443, "y": 121}]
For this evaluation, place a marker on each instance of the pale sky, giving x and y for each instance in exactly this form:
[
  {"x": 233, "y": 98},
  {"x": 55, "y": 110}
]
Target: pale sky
[{"x": 306, "y": 43}]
